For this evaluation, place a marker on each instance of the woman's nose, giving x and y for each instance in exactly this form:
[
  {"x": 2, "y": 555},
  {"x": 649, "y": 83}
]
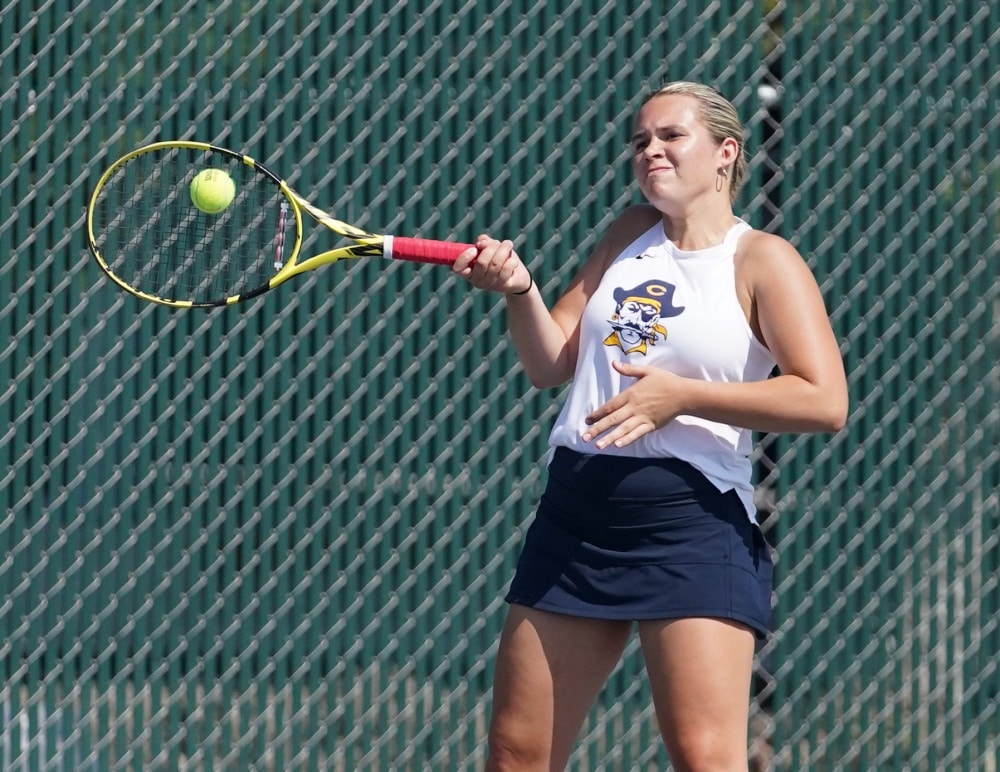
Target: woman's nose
[{"x": 654, "y": 149}]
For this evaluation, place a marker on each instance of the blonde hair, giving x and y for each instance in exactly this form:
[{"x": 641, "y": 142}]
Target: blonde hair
[{"x": 719, "y": 116}]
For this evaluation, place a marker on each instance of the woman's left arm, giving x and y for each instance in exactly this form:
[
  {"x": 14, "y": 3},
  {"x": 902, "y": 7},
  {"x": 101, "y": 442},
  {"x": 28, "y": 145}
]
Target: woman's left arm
[{"x": 786, "y": 311}]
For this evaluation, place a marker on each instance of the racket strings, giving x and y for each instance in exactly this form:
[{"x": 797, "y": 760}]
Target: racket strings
[{"x": 154, "y": 239}]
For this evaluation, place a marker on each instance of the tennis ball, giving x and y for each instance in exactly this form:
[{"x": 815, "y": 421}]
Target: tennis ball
[{"x": 212, "y": 190}]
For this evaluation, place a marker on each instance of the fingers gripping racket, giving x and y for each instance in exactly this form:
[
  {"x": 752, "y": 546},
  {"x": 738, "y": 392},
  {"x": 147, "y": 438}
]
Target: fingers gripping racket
[{"x": 165, "y": 241}]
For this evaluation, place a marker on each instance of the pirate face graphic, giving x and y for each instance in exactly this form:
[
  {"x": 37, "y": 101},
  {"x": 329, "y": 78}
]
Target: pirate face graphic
[{"x": 635, "y": 323}]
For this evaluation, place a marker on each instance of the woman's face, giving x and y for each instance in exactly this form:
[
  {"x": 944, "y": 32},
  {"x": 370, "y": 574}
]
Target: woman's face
[{"x": 674, "y": 158}]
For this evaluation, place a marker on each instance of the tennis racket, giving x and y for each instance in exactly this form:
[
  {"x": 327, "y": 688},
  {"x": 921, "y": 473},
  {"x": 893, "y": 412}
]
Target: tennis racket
[{"x": 150, "y": 238}]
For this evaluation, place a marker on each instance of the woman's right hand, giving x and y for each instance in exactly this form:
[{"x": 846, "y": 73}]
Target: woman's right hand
[{"x": 494, "y": 266}]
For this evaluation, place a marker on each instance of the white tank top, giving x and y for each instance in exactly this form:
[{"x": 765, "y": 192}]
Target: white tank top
[{"x": 661, "y": 306}]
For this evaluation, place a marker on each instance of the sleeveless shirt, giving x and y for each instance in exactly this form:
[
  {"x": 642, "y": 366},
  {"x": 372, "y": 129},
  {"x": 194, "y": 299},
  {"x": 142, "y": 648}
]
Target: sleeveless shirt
[{"x": 665, "y": 307}]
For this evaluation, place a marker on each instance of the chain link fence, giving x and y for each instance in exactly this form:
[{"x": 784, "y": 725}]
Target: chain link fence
[{"x": 277, "y": 536}]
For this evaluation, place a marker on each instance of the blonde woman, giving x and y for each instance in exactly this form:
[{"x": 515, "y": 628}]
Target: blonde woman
[{"x": 668, "y": 336}]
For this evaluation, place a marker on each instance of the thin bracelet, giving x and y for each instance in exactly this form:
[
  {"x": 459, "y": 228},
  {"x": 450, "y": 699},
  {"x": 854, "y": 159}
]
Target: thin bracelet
[{"x": 526, "y": 290}]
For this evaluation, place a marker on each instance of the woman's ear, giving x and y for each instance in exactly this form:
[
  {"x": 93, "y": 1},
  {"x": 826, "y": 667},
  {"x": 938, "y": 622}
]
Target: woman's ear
[{"x": 729, "y": 151}]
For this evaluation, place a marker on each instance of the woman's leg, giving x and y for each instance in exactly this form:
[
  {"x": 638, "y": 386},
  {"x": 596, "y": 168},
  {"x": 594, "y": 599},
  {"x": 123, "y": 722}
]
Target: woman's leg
[
  {"x": 700, "y": 671},
  {"x": 549, "y": 670}
]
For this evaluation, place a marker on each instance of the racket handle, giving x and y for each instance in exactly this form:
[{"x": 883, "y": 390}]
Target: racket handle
[{"x": 423, "y": 250}]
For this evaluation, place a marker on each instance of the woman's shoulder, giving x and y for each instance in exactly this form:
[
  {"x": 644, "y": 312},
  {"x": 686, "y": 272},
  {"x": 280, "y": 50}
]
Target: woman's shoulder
[
  {"x": 634, "y": 221},
  {"x": 761, "y": 250},
  {"x": 765, "y": 262},
  {"x": 626, "y": 228}
]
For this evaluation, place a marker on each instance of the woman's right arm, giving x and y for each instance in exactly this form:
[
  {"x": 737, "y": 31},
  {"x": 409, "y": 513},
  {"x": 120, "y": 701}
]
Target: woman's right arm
[{"x": 547, "y": 341}]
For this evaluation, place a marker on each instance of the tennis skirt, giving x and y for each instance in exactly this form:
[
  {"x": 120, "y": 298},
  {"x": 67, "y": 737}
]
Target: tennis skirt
[{"x": 631, "y": 539}]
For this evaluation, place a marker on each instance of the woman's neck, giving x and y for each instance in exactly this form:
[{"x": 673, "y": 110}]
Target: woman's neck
[{"x": 698, "y": 230}]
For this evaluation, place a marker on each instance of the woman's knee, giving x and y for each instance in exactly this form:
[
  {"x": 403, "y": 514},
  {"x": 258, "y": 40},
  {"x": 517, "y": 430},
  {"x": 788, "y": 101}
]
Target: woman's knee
[
  {"x": 707, "y": 750},
  {"x": 521, "y": 751}
]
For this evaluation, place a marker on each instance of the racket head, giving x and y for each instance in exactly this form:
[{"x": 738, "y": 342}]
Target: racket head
[{"x": 147, "y": 235}]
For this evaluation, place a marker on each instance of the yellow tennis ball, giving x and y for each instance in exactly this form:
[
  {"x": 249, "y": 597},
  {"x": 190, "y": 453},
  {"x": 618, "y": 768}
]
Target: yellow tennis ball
[{"x": 212, "y": 190}]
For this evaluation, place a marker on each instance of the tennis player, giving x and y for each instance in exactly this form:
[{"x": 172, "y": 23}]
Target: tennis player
[{"x": 669, "y": 335}]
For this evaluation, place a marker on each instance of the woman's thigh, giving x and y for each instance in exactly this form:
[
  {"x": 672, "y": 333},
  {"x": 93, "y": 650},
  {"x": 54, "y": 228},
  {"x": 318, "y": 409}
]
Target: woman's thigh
[
  {"x": 549, "y": 669},
  {"x": 700, "y": 672}
]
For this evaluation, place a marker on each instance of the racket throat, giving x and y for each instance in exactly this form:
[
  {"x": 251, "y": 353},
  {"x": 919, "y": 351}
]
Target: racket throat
[{"x": 279, "y": 237}]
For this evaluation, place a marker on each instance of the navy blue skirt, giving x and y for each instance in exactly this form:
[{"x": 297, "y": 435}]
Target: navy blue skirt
[{"x": 630, "y": 539}]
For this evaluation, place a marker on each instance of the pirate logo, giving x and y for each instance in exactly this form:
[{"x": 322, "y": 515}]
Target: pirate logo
[{"x": 636, "y": 320}]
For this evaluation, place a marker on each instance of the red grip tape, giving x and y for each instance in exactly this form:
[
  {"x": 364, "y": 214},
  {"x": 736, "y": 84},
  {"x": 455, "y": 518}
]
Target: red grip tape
[{"x": 425, "y": 250}]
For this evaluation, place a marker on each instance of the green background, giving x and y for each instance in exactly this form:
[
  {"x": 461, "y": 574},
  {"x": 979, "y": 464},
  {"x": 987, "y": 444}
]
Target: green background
[{"x": 276, "y": 536}]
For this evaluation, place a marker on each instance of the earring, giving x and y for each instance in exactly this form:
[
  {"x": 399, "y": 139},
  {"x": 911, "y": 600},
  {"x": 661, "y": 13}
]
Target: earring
[{"x": 720, "y": 176}]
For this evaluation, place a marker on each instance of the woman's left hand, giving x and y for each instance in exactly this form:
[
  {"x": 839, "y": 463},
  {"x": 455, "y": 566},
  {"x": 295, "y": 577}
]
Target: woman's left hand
[{"x": 649, "y": 403}]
